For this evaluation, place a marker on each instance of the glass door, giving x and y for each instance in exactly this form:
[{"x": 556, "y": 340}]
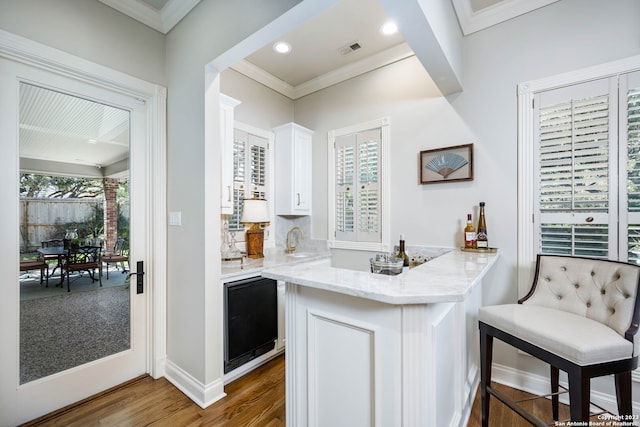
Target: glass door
[{"x": 74, "y": 164}]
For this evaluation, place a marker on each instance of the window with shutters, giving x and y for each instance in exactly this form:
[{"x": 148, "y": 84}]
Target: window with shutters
[
  {"x": 358, "y": 200},
  {"x": 582, "y": 195},
  {"x": 251, "y": 174},
  {"x": 577, "y": 170}
]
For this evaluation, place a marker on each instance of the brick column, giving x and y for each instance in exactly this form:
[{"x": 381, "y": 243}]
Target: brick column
[{"x": 110, "y": 212}]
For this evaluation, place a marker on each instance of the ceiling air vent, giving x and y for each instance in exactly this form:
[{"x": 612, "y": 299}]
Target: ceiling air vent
[{"x": 351, "y": 47}]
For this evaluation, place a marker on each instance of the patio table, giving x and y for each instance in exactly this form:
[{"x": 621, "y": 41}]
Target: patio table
[{"x": 61, "y": 253}]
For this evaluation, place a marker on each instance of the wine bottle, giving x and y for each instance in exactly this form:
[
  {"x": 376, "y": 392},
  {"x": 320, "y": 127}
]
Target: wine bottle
[
  {"x": 469, "y": 234},
  {"x": 482, "y": 240},
  {"x": 402, "y": 254}
]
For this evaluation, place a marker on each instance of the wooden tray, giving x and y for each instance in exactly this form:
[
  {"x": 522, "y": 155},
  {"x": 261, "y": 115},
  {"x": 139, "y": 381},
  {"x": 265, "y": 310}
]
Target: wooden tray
[{"x": 480, "y": 251}]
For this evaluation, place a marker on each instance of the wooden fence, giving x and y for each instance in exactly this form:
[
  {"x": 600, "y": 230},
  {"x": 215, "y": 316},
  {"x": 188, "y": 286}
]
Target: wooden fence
[{"x": 45, "y": 219}]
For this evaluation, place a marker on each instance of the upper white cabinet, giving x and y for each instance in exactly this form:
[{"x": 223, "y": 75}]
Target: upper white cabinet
[
  {"x": 293, "y": 170},
  {"x": 227, "y": 105}
]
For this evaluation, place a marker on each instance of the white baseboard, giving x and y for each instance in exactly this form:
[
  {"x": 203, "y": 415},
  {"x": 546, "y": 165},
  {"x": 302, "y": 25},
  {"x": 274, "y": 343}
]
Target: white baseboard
[
  {"x": 468, "y": 404},
  {"x": 160, "y": 368},
  {"x": 203, "y": 395},
  {"x": 537, "y": 384}
]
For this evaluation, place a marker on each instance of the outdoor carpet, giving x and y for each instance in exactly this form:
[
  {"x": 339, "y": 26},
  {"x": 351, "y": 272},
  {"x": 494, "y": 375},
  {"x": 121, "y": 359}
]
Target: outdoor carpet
[{"x": 61, "y": 332}]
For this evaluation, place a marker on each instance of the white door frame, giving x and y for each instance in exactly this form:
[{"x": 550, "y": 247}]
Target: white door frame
[{"x": 22, "y": 50}]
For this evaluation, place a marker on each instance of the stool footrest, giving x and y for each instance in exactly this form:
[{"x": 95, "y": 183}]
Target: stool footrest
[{"x": 517, "y": 408}]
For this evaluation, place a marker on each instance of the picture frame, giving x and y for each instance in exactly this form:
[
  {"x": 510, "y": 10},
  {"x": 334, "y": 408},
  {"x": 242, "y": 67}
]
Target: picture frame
[{"x": 448, "y": 164}]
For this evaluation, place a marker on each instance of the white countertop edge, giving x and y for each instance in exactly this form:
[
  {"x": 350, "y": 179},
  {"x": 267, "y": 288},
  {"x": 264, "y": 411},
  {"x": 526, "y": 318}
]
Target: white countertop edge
[
  {"x": 448, "y": 278},
  {"x": 235, "y": 269}
]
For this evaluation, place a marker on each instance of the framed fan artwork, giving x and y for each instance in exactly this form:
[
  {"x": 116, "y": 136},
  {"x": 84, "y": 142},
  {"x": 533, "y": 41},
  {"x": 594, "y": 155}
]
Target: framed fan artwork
[{"x": 449, "y": 164}]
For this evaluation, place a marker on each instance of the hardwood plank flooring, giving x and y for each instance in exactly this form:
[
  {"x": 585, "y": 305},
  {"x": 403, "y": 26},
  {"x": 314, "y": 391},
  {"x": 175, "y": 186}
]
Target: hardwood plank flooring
[{"x": 257, "y": 399}]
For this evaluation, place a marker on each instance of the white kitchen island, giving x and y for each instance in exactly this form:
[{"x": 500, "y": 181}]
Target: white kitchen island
[{"x": 364, "y": 349}]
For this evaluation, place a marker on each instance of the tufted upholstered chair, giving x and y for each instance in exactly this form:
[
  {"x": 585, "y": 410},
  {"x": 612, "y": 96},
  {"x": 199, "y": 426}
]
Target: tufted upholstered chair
[{"x": 580, "y": 316}]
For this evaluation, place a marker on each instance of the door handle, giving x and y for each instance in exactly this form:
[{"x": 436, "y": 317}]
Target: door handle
[
  {"x": 298, "y": 198},
  {"x": 139, "y": 277}
]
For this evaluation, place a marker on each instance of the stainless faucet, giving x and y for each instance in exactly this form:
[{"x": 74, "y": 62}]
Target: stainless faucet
[{"x": 291, "y": 247}]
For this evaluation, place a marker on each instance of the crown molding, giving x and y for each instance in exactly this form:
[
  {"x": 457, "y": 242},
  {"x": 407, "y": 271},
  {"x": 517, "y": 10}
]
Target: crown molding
[
  {"x": 331, "y": 78},
  {"x": 174, "y": 11},
  {"x": 471, "y": 21},
  {"x": 160, "y": 20},
  {"x": 380, "y": 59},
  {"x": 261, "y": 76}
]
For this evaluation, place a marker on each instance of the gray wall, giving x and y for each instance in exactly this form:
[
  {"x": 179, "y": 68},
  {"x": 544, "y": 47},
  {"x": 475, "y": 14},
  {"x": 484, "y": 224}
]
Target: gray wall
[
  {"x": 260, "y": 106},
  {"x": 90, "y": 30},
  {"x": 194, "y": 302}
]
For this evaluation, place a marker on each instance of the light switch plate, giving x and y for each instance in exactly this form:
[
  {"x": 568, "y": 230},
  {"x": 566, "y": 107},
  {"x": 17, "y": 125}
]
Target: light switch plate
[{"x": 175, "y": 218}]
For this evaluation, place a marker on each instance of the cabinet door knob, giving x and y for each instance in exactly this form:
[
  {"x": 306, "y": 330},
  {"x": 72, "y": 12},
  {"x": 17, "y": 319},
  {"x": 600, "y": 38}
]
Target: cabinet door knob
[
  {"x": 298, "y": 194},
  {"x": 229, "y": 189},
  {"x": 589, "y": 219}
]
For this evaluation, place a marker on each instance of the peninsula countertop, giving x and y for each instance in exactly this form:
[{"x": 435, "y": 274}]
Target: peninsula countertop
[
  {"x": 447, "y": 278},
  {"x": 273, "y": 258}
]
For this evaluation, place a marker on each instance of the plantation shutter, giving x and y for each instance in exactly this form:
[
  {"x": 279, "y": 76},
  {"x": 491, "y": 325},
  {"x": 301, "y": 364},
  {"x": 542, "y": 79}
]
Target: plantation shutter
[
  {"x": 257, "y": 166},
  {"x": 357, "y": 186},
  {"x": 630, "y": 163},
  {"x": 239, "y": 175},
  {"x": 577, "y": 166},
  {"x": 345, "y": 187},
  {"x": 249, "y": 174},
  {"x": 368, "y": 202}
]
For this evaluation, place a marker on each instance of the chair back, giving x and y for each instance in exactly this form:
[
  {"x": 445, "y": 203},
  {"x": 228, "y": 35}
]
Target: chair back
[
  {"x": 120, "y": 247},
  {"x": 84, "y": 255},
  {"x": 52, "y": 243},
  {"x": 601, "y": 290}
]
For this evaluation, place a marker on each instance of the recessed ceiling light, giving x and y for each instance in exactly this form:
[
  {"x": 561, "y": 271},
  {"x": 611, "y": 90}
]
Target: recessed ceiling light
[
  {"x": 92, "y": 141},
  {"x": 282, "y": 47},
  {"x": 389, "y": 28}
]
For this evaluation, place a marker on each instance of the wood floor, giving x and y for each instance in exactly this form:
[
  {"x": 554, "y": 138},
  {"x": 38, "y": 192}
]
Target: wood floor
[{"x": 257, "y": 399}]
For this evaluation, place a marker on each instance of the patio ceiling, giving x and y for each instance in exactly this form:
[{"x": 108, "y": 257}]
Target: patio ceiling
[{"x": 61, "y": 134}]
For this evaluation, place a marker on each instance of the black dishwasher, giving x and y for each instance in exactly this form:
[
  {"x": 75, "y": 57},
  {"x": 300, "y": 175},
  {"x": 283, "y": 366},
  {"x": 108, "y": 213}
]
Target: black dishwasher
[{"x": 251, "y": 320}]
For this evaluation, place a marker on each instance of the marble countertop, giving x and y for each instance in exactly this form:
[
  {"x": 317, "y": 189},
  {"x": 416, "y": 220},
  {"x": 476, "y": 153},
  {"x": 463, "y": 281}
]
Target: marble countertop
[
  {"x": 273, "y": 257},
  {"x": 447, "y": 278}
]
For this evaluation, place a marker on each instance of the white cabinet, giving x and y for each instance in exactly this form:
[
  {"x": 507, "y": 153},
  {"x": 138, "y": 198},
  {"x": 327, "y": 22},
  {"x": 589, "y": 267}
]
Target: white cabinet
[
  {"x": 227, "y": 105},
  {"x": 353, "y": 361},
  {"x": 293, "y": 170}
]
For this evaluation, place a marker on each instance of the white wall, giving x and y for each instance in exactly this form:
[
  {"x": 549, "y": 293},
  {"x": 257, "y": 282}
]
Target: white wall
[{"x": 90, "y": 30}]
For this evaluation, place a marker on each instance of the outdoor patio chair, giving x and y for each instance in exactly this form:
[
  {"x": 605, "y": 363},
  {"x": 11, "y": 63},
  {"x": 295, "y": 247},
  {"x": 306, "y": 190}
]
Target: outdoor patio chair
[
  {"x": 120, "y": 254},
  {"x": 36, "y": 264},
  {"x": 85, "y": 258}
]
